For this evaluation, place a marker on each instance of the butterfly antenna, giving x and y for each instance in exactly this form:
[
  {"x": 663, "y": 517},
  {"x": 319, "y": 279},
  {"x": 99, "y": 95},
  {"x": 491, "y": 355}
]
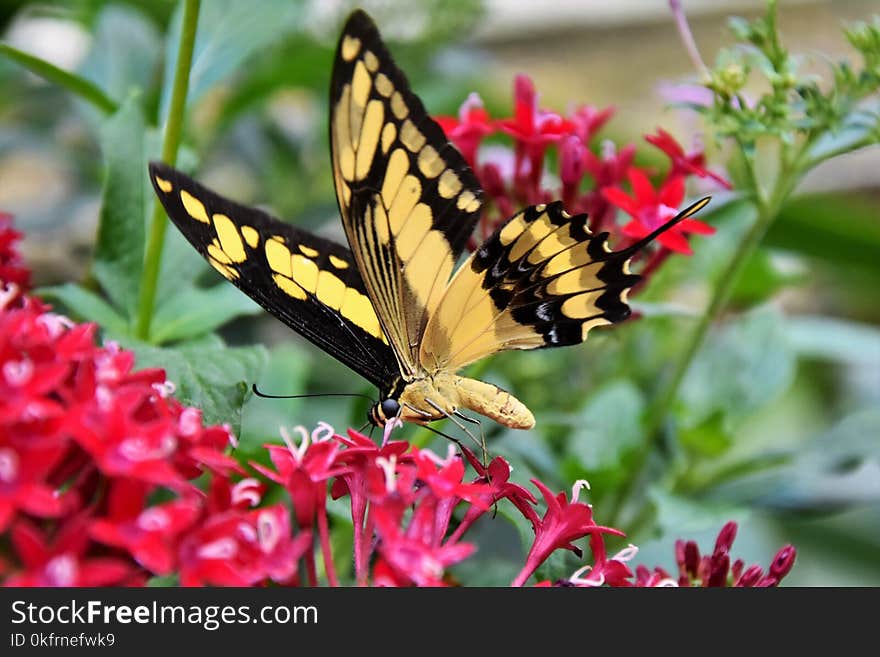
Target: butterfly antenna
[
  {"x": 317, "y": 394},
  {"x": 681, "y": 216}
]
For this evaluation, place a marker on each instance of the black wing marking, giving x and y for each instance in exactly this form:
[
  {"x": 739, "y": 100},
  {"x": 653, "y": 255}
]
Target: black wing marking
[{"x": 310, "y": 283}]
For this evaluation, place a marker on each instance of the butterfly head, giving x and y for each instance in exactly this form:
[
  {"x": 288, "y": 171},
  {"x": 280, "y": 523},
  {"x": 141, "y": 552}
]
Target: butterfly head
[{"x": 383, "y": 411}]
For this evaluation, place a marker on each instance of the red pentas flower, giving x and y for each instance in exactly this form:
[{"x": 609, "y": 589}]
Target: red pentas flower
[
  {"x": 650, "y": 208},
  {"x": 15, "y": 278},
  {"x": 469, "y": 128},
  {"x": 684, "y": 163}
]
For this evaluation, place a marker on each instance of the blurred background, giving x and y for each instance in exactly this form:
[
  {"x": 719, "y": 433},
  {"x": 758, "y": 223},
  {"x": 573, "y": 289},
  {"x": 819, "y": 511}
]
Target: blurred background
[{"x": 778, "y": 419}]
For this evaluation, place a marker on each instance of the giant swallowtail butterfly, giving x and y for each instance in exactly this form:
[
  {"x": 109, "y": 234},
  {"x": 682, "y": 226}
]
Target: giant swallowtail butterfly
[{"x": 391, "y": 305}]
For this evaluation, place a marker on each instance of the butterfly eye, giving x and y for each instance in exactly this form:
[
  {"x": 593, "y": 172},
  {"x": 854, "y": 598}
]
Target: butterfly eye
[{"x": 390, "y": 408}]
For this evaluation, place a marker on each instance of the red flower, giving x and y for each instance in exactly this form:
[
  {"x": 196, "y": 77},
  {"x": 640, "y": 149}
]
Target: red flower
[
  {"x": 468, "y": 130},
  {"x": 62, "y": 561},
  {"x": 530, "y": 125},
  {"x": 587, "y": 121},
  {"x": 564, "y": 521},
  {"x": 411, "y": 559},
  {"x": 684, "y": 163},
  {"x": 650, "y": 209},
  {"x": 15, "y": 278},
  {"x": 715, "y": 569},
  {"x": 242, "y": 548},
  {"x": 151, "y": 534}
]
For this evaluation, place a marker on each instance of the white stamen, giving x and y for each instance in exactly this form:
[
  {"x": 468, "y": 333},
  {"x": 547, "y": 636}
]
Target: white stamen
[
  {"x": 18, "y": 372},
  {"x": 322, "y": 432},
  {"x": 138, "y": 449},
  {"x": 268, "y": 531},
  {"x": 8, "y": 291},
  {"x": 626, "y": 554},
  {"x": 576, "y": 489},
  {"x": 246, "y": 490},
  {"x": 165, "y": 389},
  {"x": 62, "y": 570},
  {"x": 189, "y": 422},
  {"x": 388, "y": 466},
  {"x": 224, "y": 548},
  {"x": 9, "y": 461},
  {"x": 152, "y": 520},
  {"x": 55, "y": 324},
  {"x": 296, "y": 452}
]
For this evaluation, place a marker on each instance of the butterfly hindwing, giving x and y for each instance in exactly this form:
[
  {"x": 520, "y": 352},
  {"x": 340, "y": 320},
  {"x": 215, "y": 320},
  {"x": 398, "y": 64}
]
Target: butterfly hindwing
[
  {"x": 408, "y": 200},
  {"x": 541, "y": 280},
  {"x": 310, "y": 283}
]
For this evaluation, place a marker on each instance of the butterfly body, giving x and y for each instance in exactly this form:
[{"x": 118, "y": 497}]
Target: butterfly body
[{"x": 391, "y": 305}]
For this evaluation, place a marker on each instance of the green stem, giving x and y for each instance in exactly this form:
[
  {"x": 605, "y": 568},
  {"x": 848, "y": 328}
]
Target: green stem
[
  {"x": 170, "y": 144},
  {"x": 665, "y": 398},
  {"x": 75, "y": 84}
]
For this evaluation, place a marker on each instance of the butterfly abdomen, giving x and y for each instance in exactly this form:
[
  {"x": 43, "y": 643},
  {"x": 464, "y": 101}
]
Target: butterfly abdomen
[{"x": 491, "y": 401}]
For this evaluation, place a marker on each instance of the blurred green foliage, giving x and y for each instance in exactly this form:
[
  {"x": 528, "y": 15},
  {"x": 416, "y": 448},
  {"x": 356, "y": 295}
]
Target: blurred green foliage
[{"x": 776, "y": 421}]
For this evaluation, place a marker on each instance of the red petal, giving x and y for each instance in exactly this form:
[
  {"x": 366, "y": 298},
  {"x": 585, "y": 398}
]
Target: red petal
[
  {"x": 673, "y": 240},
  {"x": 696, "y": 226},
  {"x": 642, "y": 187},
  {"x": 621, "y": 199},
  {"x": 672, "y": 191}
]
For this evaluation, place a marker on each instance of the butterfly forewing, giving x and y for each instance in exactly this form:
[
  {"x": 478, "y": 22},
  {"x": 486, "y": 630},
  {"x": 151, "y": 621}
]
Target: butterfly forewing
[
  {"x": 310, "y": 283},
  {"x": 408, "y": 200}
]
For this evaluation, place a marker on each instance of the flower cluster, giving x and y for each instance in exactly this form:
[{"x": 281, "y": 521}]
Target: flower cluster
[
  {"x": 106, "y": 479},
  {"x": 513, "y": 179}
]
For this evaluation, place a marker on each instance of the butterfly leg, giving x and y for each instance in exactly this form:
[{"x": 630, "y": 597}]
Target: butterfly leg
[
  {"x": 479, "y": 423},
  {"x": 456, "y": 422}
]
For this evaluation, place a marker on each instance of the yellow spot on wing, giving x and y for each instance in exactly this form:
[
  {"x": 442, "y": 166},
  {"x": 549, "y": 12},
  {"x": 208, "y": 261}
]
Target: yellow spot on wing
[
  {"x": 346, "y": 162},
  {"x": 330, "y": 289},
  {"x": 371, "y": 61},
  {"x": 278, "y": 257},
  {"x": 194, "y": 207},
  {"x": 369, "y": 140},
  {"x": 513, "y": 229},
  {"x": 305, "y": 272},
  {"x": 411, "y": 136},
  {"x": 398, "y": 165},
  {"x": 339, "y": 263},
  {"x": 217, "y": 253},
  {"x": 398, "y": 106},
  {"x": 389, "y": 132},
  {"x": 251, "y": 236},
  {"x": 227, "y": 272},
  {"x": 309, "y": 251},
  {"x": 551, "y": 245},
  {"x": 467, "y": 201},
  {"x": 360, "y": 86},
  {"x": 357, "y": 308},
  {"x": 430, "y": 162},
  {"x": 449, "y": 184},
  {"x": 230, "y": 239},
  {"x": 413, "y": 232},
  {"x": 586, "y": 326},
  {"x": 407, "y": 196},
  {"x": 577, "y": 280},
  {"x": 582, "y": 306},
  {"x": 289, "y": 287},
  {"x": 383, "y": 85},
  {"x": 350, "y": 47},
  {"x": 163, "y": 184},
  {"x": 535, "y": 232}
]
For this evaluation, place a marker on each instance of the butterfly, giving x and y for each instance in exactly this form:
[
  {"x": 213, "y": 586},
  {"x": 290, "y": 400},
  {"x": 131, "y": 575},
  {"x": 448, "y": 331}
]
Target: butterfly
[{"x": 391, "y": 305}]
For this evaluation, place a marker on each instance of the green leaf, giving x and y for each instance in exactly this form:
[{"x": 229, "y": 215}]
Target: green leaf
[
  {"x": 125, "y": 52},
  {"x": 834, "y": 339},
  {"x": 761, "y": 278},
  {"x": 228, "y": 34},
  {"x": 195, "y": 311},
  {"x": 608, "y": 426},
  {"x": 744, "y": 367},
  {"x": 837, "y": 469},
  {"x": 208, "y": 374},
  {"x": 75, "y": 84},
  {"x": 83, "y": 304},
  {"x": 708, "y": 439},
  {"x": 119, "y": 252}
]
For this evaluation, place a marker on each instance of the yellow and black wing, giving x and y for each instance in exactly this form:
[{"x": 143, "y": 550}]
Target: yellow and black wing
[
  {"x": 408, "y": 200},
  {"x": 541, "y": 280},
  {"x": 310, "y": 283}
]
